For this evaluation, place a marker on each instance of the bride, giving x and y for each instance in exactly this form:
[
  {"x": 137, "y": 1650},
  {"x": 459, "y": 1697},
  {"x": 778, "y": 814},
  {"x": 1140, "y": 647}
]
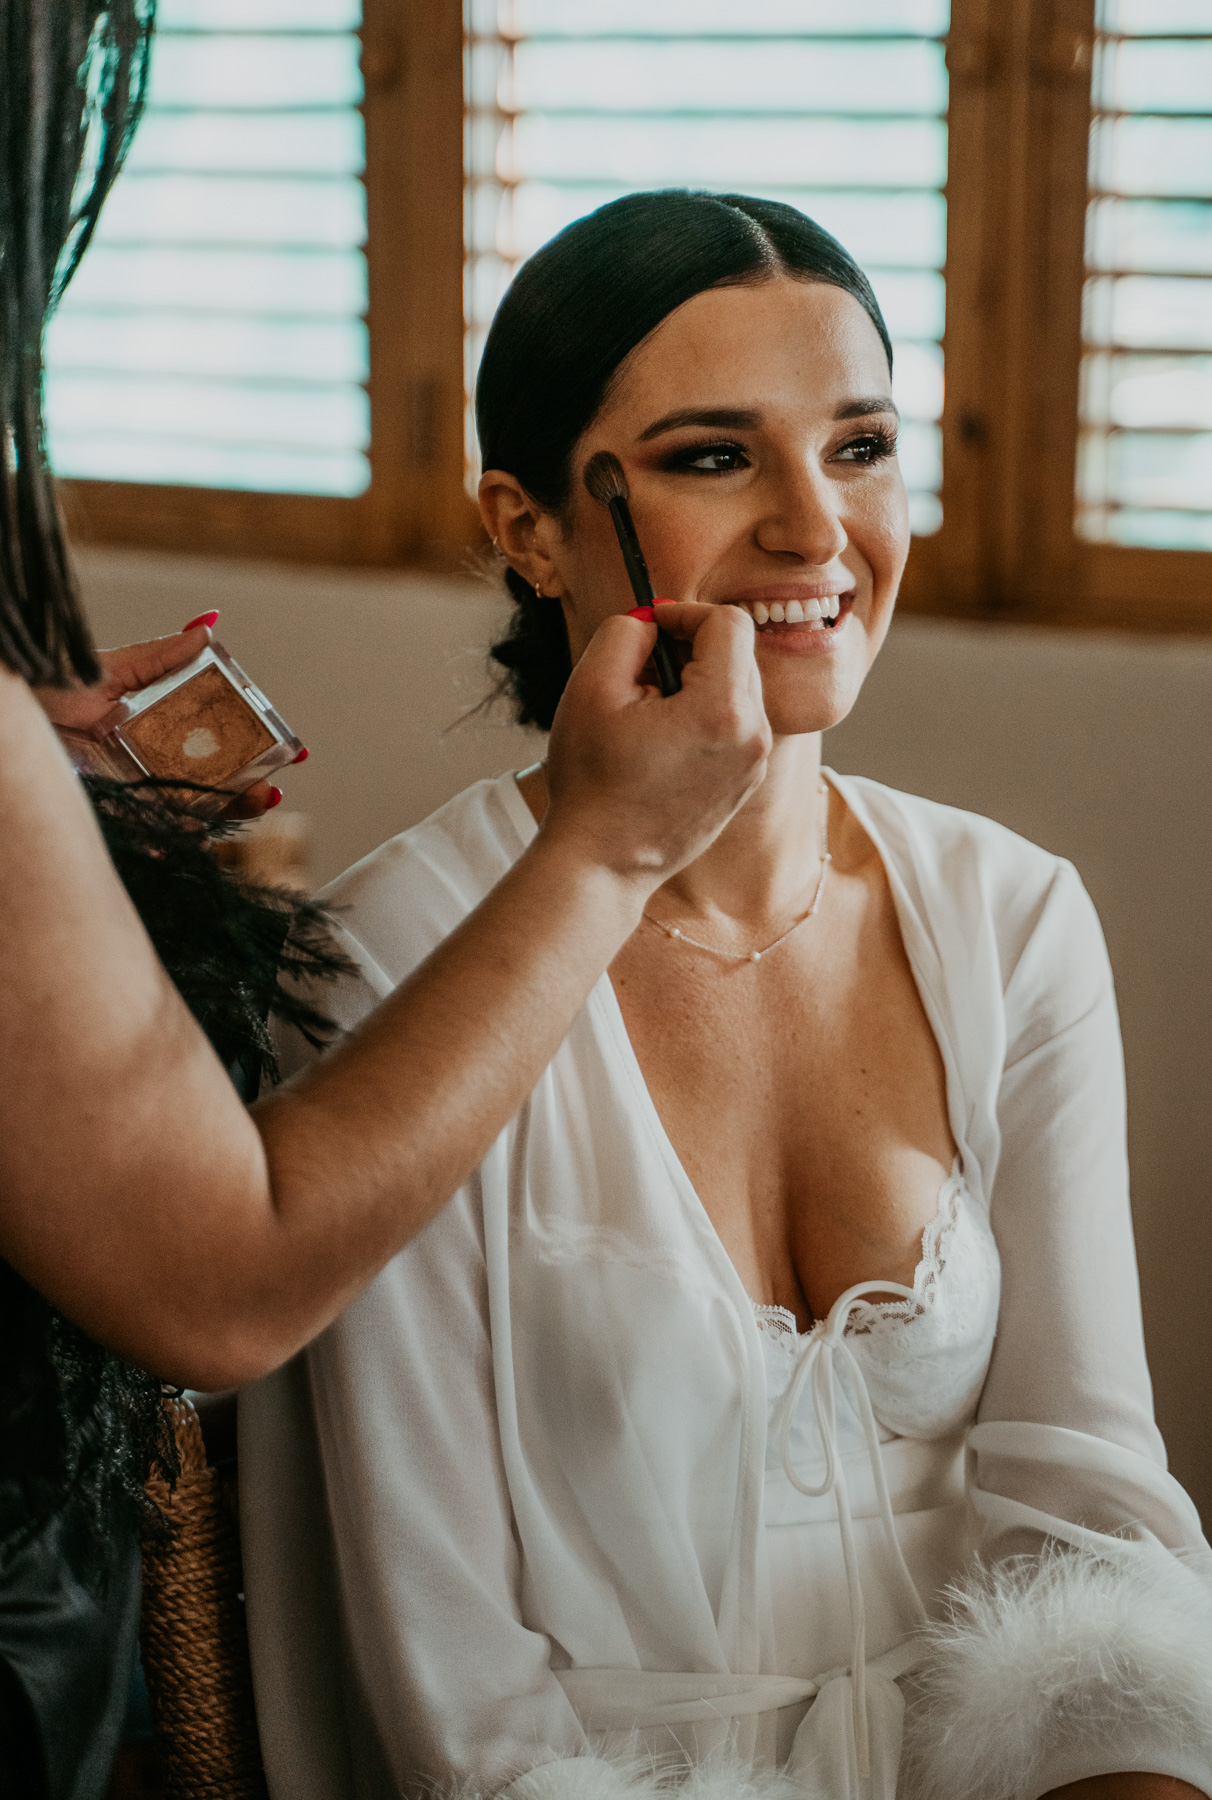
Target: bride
[{"x": 772, "y": 1401}]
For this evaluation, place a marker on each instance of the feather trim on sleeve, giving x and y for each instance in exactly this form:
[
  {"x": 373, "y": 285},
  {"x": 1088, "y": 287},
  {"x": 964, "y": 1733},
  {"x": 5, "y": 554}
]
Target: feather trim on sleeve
[
  {"x": 597, "y": 1776},
  {"x": 1057, "y": 1668}
]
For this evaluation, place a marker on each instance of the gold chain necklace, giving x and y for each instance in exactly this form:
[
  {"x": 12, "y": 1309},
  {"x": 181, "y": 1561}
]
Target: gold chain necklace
[{"x": 755, "y": 956}]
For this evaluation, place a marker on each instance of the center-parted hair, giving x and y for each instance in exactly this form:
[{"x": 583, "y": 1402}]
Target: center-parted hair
[{"x": 572, "y": 316}]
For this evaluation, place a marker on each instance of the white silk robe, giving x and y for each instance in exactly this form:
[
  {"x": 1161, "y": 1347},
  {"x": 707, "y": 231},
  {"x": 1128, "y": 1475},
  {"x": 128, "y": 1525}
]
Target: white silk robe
[{"x": 512, "y": 1507}]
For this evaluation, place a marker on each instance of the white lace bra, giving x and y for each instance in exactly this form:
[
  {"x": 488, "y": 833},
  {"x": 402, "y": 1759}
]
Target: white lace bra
[{"x": 922, "y": 1358}]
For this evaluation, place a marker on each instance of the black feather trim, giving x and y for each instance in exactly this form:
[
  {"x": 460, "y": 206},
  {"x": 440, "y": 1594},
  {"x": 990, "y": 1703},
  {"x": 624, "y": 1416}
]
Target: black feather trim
[{"x": 228, "y": 946}]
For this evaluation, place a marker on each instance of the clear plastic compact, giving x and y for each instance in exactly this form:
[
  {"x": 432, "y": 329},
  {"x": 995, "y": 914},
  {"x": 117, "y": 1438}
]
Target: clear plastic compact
[{"x": 206, "y": 725}]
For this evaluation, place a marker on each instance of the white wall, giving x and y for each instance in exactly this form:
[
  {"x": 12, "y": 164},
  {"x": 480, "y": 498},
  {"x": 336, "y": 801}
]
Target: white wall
[{"x": 1097, "y": 747}]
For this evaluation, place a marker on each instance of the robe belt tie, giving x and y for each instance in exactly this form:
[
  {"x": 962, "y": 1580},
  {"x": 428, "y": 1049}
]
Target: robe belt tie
[{"x": 825, "y": 1355}]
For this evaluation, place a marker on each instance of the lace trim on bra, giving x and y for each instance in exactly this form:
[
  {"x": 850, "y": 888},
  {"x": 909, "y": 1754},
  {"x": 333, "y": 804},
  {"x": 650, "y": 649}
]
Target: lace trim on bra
[
  {"x": 924, "y": 1358},
  {"x": 878, "y": 1317}
]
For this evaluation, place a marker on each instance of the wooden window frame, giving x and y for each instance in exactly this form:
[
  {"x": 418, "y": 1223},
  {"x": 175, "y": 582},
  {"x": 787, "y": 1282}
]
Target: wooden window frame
[
  {"x": 1019, "y": 120},
  {"x": 415, "y": 510},
  {"x": 1018, "y": 127}
]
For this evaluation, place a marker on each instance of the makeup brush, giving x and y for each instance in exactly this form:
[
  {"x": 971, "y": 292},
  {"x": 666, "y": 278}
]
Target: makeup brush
[{"x": 607, "y": 484}]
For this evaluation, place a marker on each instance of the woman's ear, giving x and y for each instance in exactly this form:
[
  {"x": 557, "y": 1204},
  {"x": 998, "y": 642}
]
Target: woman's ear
[{"x": 523, "y": 533}]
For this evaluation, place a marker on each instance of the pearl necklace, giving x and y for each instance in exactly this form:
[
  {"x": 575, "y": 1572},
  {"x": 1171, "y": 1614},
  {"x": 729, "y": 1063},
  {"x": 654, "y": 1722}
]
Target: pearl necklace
[{"x": 755, "y": 956}]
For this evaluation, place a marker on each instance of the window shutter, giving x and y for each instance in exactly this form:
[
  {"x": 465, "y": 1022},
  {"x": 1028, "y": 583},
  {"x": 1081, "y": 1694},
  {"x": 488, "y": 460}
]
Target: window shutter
[
  {"x": 214, "y": 336},
  {"x": 1145, "y": 447},
  {"x": 836, "y": 106}
]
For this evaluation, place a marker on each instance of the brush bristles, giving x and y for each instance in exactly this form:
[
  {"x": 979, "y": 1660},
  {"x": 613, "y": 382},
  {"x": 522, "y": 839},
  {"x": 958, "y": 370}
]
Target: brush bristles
[{"x": 605, "y": 479}]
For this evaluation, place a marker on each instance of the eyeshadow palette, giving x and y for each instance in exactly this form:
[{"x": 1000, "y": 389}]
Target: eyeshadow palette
[{"x": 206, "y": 724}]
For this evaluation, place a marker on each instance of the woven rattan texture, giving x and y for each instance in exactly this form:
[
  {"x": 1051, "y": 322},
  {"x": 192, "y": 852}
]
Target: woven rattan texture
[{"x": 195, "y": 1645}]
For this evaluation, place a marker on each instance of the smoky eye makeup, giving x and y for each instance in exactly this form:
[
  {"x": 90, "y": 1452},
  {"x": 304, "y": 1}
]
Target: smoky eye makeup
[
  {"x": 709, "y": 456},
  {"x": 725, "y": 456}
]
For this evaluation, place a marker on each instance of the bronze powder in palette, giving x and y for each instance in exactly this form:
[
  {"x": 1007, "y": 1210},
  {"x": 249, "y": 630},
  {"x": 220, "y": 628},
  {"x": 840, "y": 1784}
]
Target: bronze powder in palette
[{"x": 206, "y": 725}]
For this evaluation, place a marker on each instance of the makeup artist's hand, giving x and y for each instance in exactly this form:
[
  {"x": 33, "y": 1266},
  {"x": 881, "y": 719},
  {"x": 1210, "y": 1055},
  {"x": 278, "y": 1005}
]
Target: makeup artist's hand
[
  {"x": 126, "y": 670},
  {"x": 643, "y": 784}
]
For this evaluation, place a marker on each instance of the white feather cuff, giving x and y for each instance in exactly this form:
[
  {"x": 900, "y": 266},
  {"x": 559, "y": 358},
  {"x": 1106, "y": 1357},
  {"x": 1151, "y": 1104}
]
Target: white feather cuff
[
  {"x": 719, "y": 1777},
  {"x": 1049, "y": 1670}
]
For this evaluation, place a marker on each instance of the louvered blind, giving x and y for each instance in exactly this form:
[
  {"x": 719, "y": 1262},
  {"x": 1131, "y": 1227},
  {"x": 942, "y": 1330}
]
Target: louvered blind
[
  {"x": 1145, "y": 457},
  {"x": 214, "y": 335},
  {"x": 837, "y": 106}
]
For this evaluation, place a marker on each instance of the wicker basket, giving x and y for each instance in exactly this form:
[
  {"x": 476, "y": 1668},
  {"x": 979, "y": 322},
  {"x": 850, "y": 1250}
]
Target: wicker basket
[{"x": 194, "y": 1641}]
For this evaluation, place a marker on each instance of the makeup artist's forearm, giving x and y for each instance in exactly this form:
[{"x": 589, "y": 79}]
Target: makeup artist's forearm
[
  {"x": 243, "y": 1238},
  {"x": 387, "y": 1127},
  {"x": 135, "y": 1190},
  {"x": 362, "y": 1150}
]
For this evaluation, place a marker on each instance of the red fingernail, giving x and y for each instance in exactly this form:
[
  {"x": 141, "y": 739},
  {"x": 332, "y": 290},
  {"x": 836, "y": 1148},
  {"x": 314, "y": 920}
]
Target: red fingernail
[
  {"x": 303, "y": 754},
  {"x": 642, "y": 612},
  {"x": 275, "y": 796},
  {"x": 663, "y": 600},
  {"x": 207, "y": 619}
]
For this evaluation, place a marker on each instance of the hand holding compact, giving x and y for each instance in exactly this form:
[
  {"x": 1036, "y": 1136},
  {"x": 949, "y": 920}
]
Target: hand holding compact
[{"x": 130, "y": 669}]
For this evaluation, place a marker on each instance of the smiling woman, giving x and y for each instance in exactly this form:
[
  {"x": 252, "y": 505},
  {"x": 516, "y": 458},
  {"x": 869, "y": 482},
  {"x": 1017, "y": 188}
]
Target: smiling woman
[
  {"x": 796, "y": 1309},
  {"x": 641, "y": 258}
]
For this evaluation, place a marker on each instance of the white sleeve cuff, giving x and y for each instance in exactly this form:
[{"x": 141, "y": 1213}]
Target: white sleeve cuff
[{"x": 1057, "y": 1668}]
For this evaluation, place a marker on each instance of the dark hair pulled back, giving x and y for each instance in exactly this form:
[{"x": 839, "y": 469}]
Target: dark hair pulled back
[{"x": 573, "y": 314}]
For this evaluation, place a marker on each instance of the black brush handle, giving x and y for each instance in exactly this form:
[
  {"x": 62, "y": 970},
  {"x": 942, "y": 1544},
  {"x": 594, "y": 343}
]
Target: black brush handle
[
  {"x": 668, "y": 674},
  {"x": 633, "y": 556},
  {"x": 664, "y": 661}
]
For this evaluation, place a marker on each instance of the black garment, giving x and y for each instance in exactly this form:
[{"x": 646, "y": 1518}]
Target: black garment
[
  {"x": 66, "y": 1654},
  {"x": 80, "y": 1430}
]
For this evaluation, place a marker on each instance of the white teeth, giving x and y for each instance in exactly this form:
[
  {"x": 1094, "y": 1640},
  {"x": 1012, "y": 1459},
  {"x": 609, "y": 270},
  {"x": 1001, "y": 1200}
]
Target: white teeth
[{"x": 794, "y": 612}]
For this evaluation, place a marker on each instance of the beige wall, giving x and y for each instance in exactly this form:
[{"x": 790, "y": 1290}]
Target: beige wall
[
  {"x": 1097, "y": 747},
  {"x": 371, "y": 670}
]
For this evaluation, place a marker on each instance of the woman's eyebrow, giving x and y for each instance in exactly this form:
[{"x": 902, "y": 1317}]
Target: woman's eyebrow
[
  {"x": 731, "y": 418},
  {"x": 726, "y": 417},
  {"x": 871, "y": 403}
]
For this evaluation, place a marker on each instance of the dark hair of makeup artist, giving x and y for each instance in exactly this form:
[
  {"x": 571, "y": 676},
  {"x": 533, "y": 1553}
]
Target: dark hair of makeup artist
[
  {"x": 574, "y": 313},
  {"x": 72, "y": 80}
]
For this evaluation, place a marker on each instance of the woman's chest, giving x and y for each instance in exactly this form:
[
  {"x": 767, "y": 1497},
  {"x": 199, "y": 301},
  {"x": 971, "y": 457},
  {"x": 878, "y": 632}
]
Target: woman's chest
[
  {"x": 629, "y": 1328},
  {"x": 806, "y": 1100}
]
